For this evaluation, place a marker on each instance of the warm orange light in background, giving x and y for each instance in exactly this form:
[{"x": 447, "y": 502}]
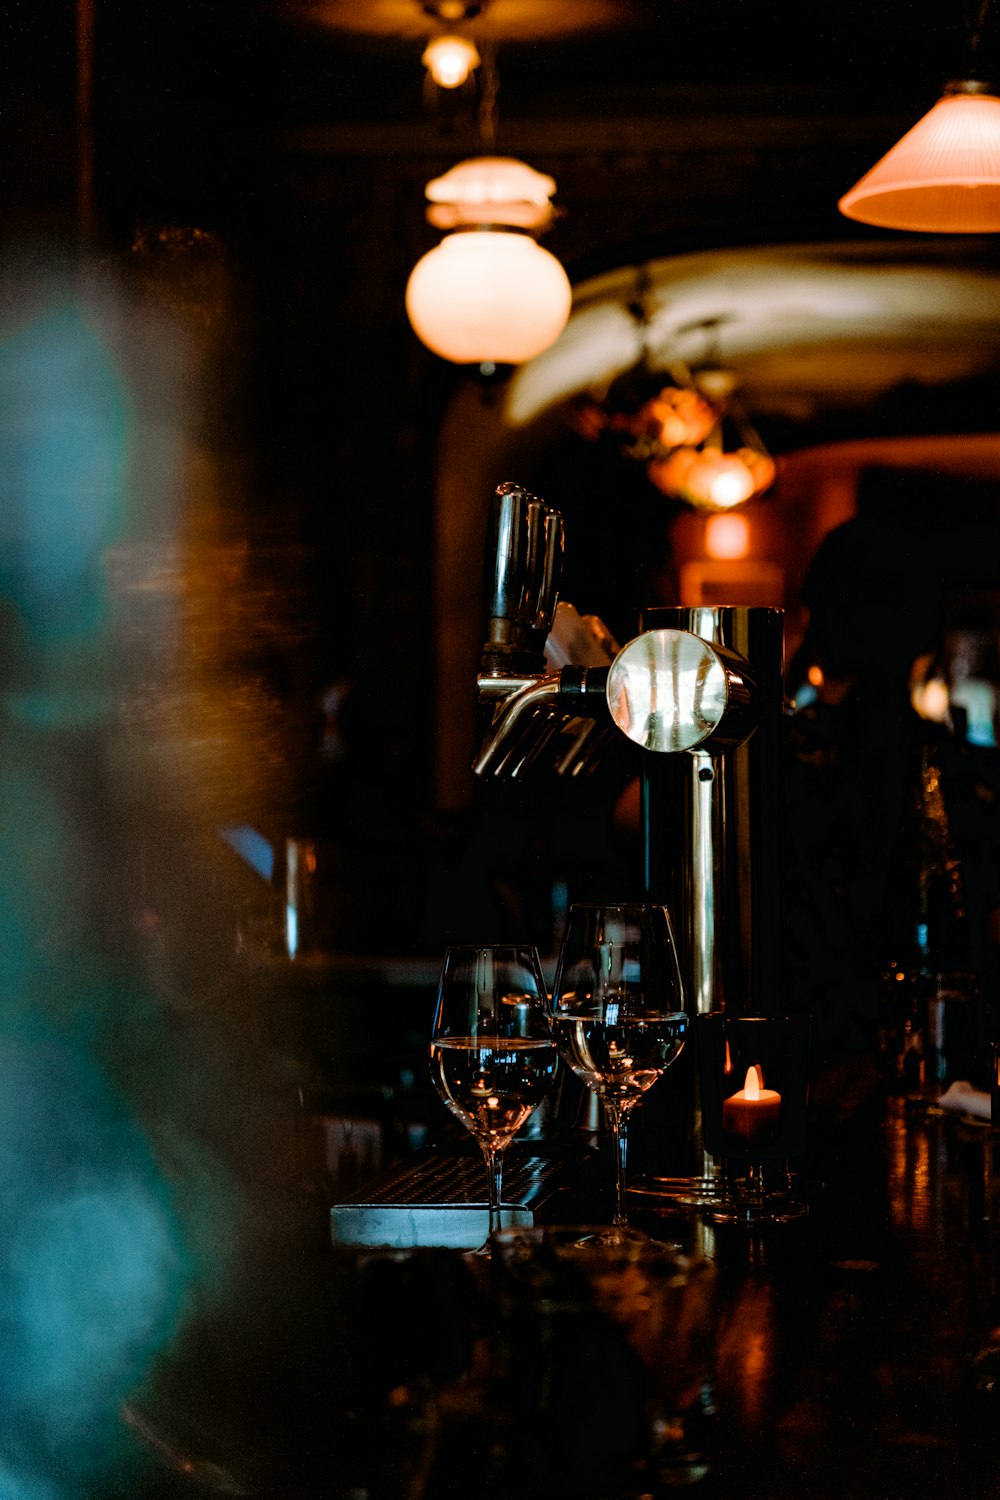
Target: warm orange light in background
[
  {"x": 449, "y": 60},
  {"x": 680, "y": 414},
  {"x": 943, "y": 176},
  {"x": 710, "y": 479},
  {"x": 815, "y": 675},
  {"x": 931, "y": 699},
  {"x": 727, "y": 537}
]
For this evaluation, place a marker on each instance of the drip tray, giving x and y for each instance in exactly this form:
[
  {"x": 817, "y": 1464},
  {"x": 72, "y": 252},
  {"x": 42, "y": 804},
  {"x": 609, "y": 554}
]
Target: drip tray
[{"x": 440, "y": 1199}]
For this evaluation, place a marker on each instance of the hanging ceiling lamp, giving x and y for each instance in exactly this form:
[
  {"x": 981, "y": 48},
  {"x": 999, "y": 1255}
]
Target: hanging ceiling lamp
[
  {"x": 693, "y": 435},
  {"x": 488, "y": 293},
  {"x": 450, "y": 60},
  {"x": 943, "y": 176}
]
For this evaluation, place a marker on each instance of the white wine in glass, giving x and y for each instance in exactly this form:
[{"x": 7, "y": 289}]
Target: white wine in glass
[
  {"x": 493, "y": 1058},
  {"x": 618, "y": 1011}
]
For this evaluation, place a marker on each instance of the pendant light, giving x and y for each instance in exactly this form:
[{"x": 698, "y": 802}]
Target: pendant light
[
  {"x": 450, "y": 60},
  {"x": 943, "y": 176},
  {"x": 488, "y": 294}
]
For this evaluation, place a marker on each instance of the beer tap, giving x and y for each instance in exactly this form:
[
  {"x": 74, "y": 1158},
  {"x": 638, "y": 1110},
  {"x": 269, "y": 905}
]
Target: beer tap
[
  {"x": 526, "y": 705},
  {"x": 699, "y": 693}
]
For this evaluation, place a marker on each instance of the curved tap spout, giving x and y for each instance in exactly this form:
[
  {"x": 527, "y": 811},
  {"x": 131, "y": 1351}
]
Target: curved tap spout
[
  {"x": 539, "y": 693},
  {"x": 530, "y": 709}
]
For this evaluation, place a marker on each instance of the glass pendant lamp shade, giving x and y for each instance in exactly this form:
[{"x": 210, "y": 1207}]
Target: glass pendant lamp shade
[
  {"x": 488, "y": 295},
  {"x": 943, "y": 176},
  {"x": 710, "y": 479},
  {"x": 450, "y": 60}
]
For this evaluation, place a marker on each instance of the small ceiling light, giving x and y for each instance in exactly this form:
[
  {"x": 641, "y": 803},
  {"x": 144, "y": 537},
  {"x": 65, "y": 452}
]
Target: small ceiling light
[
  {"x": 450, "y": 60},
  {"x": 453, "y": 10},
  {"x": 943, "y": 177},
  {"x": 488, "y": 293}
]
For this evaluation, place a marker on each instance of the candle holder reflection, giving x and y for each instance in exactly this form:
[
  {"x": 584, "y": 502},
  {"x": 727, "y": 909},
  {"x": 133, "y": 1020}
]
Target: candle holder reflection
[{"x": 754, "y": 1088}]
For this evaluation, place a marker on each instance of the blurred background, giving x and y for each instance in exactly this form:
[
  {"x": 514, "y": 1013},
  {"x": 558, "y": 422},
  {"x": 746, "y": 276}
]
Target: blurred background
[{"x": 241, "y": 536}]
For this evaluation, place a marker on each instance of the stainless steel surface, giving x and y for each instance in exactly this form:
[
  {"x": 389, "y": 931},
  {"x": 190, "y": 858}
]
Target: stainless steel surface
[
  {"x": 532, "y": 712},
  {"x": 507, "y": 562},
  {"x": 546, "y": 595},
  {"x": 672, "y": 690},
  {"x": 523, "y": 568},
  {"x": 510, "y": 717},
  {"x": 439, "y": 1200},
  {"x": 720, "y": 879}
]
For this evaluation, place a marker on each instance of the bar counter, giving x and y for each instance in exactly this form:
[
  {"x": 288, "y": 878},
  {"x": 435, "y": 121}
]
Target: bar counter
[
  {"x": 853, "y": 1352},
  {"x": 851, "y": 1349}
]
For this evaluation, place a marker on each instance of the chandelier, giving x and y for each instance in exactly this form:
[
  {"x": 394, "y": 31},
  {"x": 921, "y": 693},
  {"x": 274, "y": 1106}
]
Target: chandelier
[{"x": 690, "y": 431}]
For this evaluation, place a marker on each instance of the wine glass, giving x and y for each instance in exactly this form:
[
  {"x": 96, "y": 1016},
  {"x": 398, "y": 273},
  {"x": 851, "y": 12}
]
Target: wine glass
[
  {"x": 618, "y": 1011},
  {"x": 492, "y": 1053}
]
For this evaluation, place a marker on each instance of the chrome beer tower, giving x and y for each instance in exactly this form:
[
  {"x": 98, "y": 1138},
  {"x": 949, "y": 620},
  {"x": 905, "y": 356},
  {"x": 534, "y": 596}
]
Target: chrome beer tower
[{"x": 699, "y": 693}]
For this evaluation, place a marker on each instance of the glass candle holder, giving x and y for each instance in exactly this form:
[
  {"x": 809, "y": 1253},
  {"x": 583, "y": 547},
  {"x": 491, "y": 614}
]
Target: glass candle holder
[{"x": 754, "y": 1074}]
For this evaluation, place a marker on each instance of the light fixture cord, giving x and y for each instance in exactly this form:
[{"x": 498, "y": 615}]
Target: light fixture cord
[
  {"x": 976, "y": 30},
  {"x": 489, "y": 89}
]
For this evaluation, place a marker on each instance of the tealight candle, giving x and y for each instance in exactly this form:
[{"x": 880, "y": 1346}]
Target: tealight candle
[{"x": 753, "y": 1112}]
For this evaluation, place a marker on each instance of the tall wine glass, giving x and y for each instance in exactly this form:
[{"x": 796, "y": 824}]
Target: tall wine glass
[
  {"x": 618, "y": 1011},
  {"x": 492, "y": 1053}
]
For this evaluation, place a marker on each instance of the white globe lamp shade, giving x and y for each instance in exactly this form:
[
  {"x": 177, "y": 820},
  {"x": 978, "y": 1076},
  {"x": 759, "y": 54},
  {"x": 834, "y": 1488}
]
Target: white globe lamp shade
[{"x": 486, "y": 295}]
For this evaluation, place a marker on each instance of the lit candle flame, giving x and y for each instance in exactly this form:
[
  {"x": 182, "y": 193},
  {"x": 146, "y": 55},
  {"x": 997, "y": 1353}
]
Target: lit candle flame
[
  {"x": 727, "y": 1066},
  {"x": 751, "y": 1086}
]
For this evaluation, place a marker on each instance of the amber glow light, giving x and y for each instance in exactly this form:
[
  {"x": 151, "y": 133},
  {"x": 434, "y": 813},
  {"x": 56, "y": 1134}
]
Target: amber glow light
[
  {"x": 450, "y": 60},
  {"x": 704, "y": 477},
  {"x": 727, "y": 537},
  {"x": 931, "y": 700},
  {"x": 485, "y": 295},
  {"x": 943, "y": 176},
  {"x": 488, "y": 293}
]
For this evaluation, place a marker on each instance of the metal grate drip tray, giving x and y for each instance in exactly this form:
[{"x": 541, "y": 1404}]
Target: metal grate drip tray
[{"x": 441, "y": 1200}]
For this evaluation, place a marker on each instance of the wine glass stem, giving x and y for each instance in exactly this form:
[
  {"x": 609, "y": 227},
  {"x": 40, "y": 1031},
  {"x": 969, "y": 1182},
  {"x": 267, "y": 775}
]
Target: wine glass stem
[
  {"x": 494, "y": 1171},
  {"x": 755, "y": 1181},
  {"x": 618, "y": 1120}
]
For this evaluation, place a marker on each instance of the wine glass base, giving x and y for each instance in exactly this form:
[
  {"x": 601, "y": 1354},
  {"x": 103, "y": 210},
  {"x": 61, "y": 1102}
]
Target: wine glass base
[
  {"x": 771, "y": 1209},
  {"x": 620, "y": 1237},
  {"x": 680, "y": 1192}
]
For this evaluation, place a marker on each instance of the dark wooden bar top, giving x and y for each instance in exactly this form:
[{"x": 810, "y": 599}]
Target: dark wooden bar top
[
  {"x": 852, "y": 1348},
  {"x": 852, "y": 1358},
  {"x": 854, "y": 1354}
]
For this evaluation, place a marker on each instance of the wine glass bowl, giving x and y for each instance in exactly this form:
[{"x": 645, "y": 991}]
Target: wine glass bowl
[
  {"x": 618, "y": 1016},
  {"x": 492, "y": 1055}
]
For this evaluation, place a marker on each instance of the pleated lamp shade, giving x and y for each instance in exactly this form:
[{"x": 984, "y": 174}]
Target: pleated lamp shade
[{"x": 943, "y": 177}]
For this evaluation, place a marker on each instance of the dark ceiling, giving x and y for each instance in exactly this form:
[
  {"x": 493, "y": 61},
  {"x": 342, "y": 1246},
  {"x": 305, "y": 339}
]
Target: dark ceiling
[{"x": 188, "y": 94}]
